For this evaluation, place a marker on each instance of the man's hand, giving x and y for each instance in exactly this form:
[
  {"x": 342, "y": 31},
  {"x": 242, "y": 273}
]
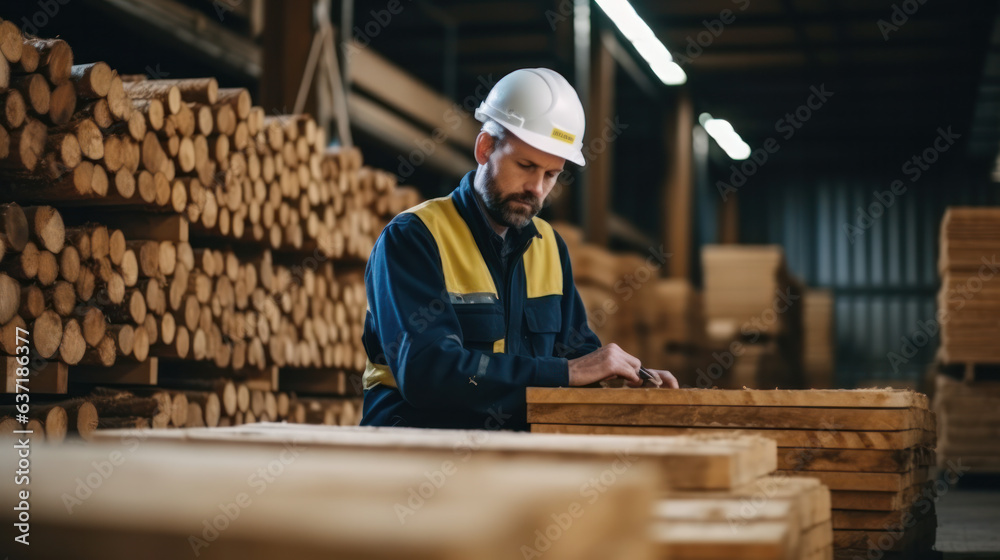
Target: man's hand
[
  {"x": 604, "y": 363},
  {"x": 611, "y": 361}
]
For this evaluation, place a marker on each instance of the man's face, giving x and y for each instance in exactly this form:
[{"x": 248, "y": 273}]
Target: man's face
[{"x": 517, "y": 178}]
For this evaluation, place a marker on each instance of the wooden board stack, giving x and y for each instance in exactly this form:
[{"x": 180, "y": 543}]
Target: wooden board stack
[
  {"x": 292, "y": 500},
  {"x": 968, "y": 422},
  {"x": 970, "y": 291},
  {"x": 818, "y": 348},
  {"x": 751, "y": 298},
  {"x": 658, "y": 320},
  {"x": 136, "y": 248},
  {"x": 871, "y": 448},
  {"x": 671, "y": 327},
  {"x": 702, "y": 475}
]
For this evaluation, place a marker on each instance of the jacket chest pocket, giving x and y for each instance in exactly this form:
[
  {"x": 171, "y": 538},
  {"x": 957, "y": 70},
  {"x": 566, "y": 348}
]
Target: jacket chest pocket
[
  {"x": 482, "y": 325},
  {"x": 543, "y": 321}
]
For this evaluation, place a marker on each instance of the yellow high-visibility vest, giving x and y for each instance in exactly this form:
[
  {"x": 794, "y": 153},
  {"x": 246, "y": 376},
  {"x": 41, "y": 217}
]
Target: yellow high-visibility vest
[{"x": 467, "y": 277}]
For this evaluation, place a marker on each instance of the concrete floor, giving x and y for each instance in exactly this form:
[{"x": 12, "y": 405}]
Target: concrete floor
[{"x": 969, "y": 522}]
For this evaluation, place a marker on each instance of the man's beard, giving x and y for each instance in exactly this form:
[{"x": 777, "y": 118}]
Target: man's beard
[{"x": 503, "y": 209}]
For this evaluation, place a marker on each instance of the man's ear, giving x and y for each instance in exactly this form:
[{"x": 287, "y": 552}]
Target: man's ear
[{"x": 484, "y": 147}]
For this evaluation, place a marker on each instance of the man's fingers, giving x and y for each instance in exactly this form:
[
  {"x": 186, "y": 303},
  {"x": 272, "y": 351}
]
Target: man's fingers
[
  {"x": 666, "y": 378},
  {"x": 630, "y": 374}
]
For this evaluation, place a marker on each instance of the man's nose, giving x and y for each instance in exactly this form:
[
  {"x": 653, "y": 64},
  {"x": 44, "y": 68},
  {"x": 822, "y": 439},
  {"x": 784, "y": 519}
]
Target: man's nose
[{"x": 536, "y": 186}]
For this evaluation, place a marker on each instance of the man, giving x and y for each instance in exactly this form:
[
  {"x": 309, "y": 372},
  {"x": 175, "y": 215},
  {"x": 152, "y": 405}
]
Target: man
[{"x": 470, "y": 297}]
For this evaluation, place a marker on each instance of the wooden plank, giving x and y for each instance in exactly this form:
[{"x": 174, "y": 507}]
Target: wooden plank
[
  {"x": 683, "y": 540},
  {"x": 402, "y": 91},
  {"x": 823, "y": 398},
  {"x": 829, "y": 439},
  {"x": 685, "y": 462},
  {"x": 308, "y": 381},
  {"x": 487, "y": 508},
  {"x": 124, "y": 372},
  {"x": 851, "y": 460},
  {"x": 140, "y": 225},
  {"x": 52, "y": 377},
  {"x": 265, "y": 379},
  {"x": 870, "y": 482},
  {"x": 809, "y": 496},
  {"x": 400, "y": 134},
  {"x": 867, "y": 520},
  {"x": 874, "y": 501},
  {"x": 874, "y": 419},
  {"x": 818, "y": 537}
]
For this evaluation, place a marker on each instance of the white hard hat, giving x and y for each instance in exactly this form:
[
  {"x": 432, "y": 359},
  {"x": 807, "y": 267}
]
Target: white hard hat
[{"x": 540, "y": 107}]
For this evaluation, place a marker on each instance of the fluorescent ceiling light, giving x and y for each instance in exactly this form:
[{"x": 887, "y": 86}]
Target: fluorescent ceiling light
[
  {"x": 644, "y": 40},
  {"x": 725, "y": 136}
]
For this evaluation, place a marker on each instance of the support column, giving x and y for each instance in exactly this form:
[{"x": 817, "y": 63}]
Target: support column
[
  {"x": 678, "y": 186},
  {"x": 600, "y": 168},
  {"x": 287, "y": 37}
]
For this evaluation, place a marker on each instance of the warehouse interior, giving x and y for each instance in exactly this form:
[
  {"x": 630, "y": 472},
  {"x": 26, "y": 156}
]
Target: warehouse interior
[{"x": 791, "y": 205}]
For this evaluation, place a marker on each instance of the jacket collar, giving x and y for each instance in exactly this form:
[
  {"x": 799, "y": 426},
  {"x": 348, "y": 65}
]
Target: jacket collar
[{"x": 465, "y": 198}]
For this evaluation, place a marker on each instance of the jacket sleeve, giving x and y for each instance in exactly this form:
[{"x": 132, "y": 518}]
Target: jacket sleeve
[
  {"x": 421, "y": 337},
  {"x": 576, "y": 338}
]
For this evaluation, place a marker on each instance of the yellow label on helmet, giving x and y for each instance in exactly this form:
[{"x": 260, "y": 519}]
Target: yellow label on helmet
[{"x": 563, "y": 136}]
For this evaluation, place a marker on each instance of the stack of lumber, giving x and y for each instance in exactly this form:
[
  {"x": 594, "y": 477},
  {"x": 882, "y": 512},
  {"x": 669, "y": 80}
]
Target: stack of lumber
[
  {"x": 658, "y": 320},
  {"x": 671, "y": 327},
  {"x": 871, "y": 448},
  {"x": 236, "y": 500},
  {"x": 968, "y": 422},
  {"x": 771, "y": 517},
  {"x": 818, "y": 343},
  {"x": 970, "y": 295},
  {"x": 698, "y": 473},
  {"x": 751, "y": 298},
  {"x": 170, "y": 229}
]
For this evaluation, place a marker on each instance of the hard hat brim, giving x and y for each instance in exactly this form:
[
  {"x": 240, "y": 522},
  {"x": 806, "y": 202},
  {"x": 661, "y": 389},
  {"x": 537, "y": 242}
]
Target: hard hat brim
[{"x": 549, "y": 145}]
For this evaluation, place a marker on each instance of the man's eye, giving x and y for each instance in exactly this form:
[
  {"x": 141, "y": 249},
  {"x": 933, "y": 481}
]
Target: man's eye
[{"x": 526, "y": 165}]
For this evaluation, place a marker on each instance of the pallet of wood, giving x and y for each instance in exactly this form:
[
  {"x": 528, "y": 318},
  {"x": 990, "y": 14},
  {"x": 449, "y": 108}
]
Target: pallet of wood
[
  {"x": 671, "y": 327},
  {"x": 969, "y": 297},
  {"x": 289, "y": 500},
  {"x": 741, "y": 284},
  {"x": 968, "y": 416},
  {"x": 751, "y": 299},
  {"x": 818, "y": 348},
  {"x": 871, "y": 448}
]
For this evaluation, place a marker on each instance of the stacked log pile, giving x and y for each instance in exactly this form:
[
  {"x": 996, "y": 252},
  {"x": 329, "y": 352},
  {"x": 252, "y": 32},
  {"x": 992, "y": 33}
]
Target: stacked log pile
[{"x": 156, "y": 225}]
